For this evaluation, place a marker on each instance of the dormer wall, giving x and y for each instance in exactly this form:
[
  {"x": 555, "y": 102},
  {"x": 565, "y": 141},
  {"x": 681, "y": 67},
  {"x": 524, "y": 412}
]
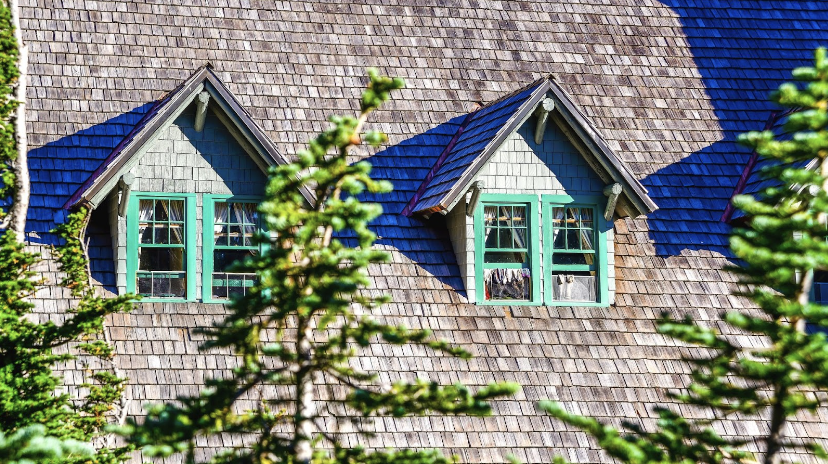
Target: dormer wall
[
  {"x": 520, "y": 166},
  {"x": 184, "y": 161}
]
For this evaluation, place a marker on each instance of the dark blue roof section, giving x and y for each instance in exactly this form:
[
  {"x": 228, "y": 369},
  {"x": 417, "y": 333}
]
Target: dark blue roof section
[
  {"x": 743, "y": 50},
  {"x": 753, "y": 180},
  {"x": 482, "y": 128},
  {"x": 60, "y": 167}
]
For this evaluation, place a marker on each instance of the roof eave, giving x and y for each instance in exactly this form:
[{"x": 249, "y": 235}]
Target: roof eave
[{"x": 453, "y": 196}]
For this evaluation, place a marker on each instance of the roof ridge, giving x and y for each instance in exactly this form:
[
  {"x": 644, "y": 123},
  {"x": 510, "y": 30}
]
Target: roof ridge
[
  {"x": 741, "y": 184},
  {"x": 526, "y": 87}
]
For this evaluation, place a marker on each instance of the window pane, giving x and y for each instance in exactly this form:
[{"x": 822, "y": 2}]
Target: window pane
[
  {"x": 558, "y": 239},
  {"x": 161, "y": 208},
  {"x": 222, "y": 259},
  {"x": 573, "y": 241},
  {"x": 235, "y": 236},
  {"x": 227, "y": 284},
  {"x": 175, "y": 210},
  {"x": 220, "y": 234},
  {"x": 160, "y": 259},
  {"x": 491, "y": 238},
  {"x": 145, "y": 210},
  {"x": 162, "y": 284},
  {"x": 144, "y": 286},
  {"x": 557, "y": 217},
  {"x": 518, "y": 238},
  {"x": 507, "y": 284},
  {"x": 586, "y": 218},
  {"x": 489, "y": 214},
  {"x": 251, "y": 214},
  {"x": 585, "y": 239},
  {"x": 162, "y": 233},
  {"x": 177, "y": 233},
  {"x": 574, "y": 286},
  {"x": 571, "y": 258},
  {"x": 506, "y": 257},
  {"x": 249, "y": 231}
]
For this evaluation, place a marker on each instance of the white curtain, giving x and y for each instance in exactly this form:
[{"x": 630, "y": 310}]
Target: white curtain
[
  {"x": 557, "y": 225},
  {"x": 250, "y": 218},
  {"x": 176, "y": 214},
  {"x": 220, "y": 220},
  {"x": 145, "y": 208},
  {"x": 519, "y": 234},
  {"x": 586, "y": 233}
]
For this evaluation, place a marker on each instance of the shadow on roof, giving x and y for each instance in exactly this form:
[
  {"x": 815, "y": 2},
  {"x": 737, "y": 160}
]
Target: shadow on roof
[
  {"x": 405, "y": 165},
  {"x": 743, "y": 51},
  {"x": 60, "y": 167}
]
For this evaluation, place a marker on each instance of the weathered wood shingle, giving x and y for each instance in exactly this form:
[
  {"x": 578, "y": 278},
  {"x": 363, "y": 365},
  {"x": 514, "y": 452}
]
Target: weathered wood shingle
[{"x": 668, "y": 85}]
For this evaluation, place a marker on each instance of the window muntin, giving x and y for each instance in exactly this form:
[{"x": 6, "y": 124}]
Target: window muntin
[
  {"x": 160, "y": 246},
  {"x": 230, "y": 224},
  {"x": 161, "y": 254},
  {"x": 506, "y": 249}
]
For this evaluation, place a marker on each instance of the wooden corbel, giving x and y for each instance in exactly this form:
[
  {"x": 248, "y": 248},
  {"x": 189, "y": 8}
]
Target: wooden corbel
[
  {"x": 477, "y": 188},
  {"x": 542, "y": 112},
  {"x": 125, "y": 184},
  {"x": 612, "y": 192},
  {"x": 201, "y": 110}
]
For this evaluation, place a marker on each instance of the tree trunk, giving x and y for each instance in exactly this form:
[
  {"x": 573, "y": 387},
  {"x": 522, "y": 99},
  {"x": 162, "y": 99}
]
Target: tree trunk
[
  {"x": 305, "y": 408},
  {"x": 774, "y": 440},
  {"x": 20, "y": 207}
]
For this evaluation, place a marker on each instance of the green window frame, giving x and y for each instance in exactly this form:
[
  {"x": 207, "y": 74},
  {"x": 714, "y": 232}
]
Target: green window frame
[
  {"x": 165, "y": 231},
  {"x": 511, "y": 219},
  {"x": 578, "y": 220},
  {"x": 227, "y": 235}
]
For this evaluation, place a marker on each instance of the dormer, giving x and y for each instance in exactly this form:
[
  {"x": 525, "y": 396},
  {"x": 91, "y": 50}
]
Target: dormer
[
  {"x": 180, "y": 194},
  {"x": 530, "y": 192}
]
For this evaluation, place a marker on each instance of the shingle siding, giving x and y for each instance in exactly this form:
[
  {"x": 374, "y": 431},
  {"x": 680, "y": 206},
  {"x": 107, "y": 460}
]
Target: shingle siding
[
  {"x": 521, "y": 166},
  {"x": 182, "y": 160}
]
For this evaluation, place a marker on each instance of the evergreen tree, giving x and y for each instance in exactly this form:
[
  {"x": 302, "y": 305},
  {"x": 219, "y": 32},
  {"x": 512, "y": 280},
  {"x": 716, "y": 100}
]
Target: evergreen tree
[
  {"x": 302, "y": 325},
  {"x": 781, "y": 246},
  {"x": 36, "y": 423},
  {"x": 27, "y": 382}
]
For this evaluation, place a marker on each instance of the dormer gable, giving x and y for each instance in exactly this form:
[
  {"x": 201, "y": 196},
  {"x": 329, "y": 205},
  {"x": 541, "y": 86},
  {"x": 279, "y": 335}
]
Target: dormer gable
[
  {"x": 483, "y": 132},
  {"x": 203, "y": 91},
  {"x": 530, "y": 191}
]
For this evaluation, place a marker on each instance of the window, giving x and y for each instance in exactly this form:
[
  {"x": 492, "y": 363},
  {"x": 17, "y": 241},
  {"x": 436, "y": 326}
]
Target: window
[
  {"x": 229, "y": 226},
  {"x": 160, "y": 246},
  {"x": 574, "y": 251},
  {"x": 506, "y": 244},
  {"x": 508, "y": 254}
]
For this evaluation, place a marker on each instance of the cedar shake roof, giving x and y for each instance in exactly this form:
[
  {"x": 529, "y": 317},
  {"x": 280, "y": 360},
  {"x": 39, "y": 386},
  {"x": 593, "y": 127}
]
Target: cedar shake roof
[
  {"x": 668, "y": 84},
  {"x": 482, "y": 133}
]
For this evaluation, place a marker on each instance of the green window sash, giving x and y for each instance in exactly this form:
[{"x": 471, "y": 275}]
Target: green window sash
[
  {"x": 231, "y": 233},
  {"x": 171, "y": 225},
  {"x": 507, "y": 249}
]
